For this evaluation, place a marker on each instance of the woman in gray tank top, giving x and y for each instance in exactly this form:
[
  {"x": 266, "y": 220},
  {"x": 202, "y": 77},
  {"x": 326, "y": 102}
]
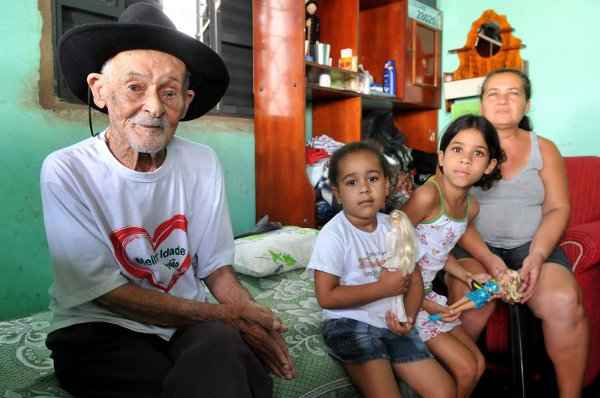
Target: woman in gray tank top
[{"x": 520, "y": 222}]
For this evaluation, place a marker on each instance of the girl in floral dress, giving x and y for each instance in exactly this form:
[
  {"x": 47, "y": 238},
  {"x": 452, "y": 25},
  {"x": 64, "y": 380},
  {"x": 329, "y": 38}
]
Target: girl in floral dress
[{"x": 441, "y": 209}]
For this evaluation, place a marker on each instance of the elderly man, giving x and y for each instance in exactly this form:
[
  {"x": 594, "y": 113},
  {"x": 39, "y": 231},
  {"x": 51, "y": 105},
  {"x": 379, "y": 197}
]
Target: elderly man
[{"x": 137, "y": 221}]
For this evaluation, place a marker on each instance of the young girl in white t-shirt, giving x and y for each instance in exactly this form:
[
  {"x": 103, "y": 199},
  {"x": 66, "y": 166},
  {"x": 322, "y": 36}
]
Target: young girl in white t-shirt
[
  {"x": 441, "y": 209},
  {"x": 356, "y": 293}
]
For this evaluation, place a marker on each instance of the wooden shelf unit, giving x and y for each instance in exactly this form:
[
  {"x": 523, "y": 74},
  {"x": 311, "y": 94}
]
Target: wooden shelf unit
[{"x": 376, "y": 30}]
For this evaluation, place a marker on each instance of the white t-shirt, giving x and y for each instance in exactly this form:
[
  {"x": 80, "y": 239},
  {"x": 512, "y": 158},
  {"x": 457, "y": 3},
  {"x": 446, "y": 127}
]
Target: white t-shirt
[
  {"x": 356, "y": 257},
  {"x": 107, "y": 225}
]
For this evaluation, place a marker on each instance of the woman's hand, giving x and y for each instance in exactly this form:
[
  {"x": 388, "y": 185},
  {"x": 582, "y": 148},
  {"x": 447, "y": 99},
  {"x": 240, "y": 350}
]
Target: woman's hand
[{"x": 530, "y": 272}]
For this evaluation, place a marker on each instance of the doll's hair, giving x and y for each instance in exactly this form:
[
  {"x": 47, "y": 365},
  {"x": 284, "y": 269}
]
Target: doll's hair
[
  {"x": 492, "y": 141},
  {"x": 525, "y": 122},
  {"x": 355, "y": 147},
  {"x": 406, "y": 240}
]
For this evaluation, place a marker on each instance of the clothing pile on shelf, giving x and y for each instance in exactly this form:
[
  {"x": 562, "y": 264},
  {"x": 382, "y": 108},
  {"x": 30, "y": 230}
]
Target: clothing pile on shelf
[
  {"x": 408, "y": 167},
  {"x": 318, "y": 153}
]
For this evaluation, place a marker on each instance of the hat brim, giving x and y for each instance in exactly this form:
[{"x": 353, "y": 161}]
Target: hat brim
[{"x": 85, "y": 49}]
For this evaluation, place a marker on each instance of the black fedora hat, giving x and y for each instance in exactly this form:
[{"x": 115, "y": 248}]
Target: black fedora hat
[{"x": 85, "y": 48}]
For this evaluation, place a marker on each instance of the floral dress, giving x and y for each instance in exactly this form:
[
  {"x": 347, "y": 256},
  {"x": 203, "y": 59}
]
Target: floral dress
[{"x": 436, "y": 239}]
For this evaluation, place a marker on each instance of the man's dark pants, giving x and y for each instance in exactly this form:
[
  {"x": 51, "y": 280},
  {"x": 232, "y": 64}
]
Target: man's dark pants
[{"x": 206, "y": 360}]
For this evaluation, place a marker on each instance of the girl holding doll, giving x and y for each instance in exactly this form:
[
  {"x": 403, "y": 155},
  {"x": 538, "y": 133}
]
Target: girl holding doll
[
  {"x": 441, "y": 209},
  {"x": 356, "y": 292}
]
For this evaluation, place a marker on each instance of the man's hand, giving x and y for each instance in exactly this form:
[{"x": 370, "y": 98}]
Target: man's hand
[
  {"x": 257, "y": 324},
  {"x": 251, "y": 311},
  {"x": 393, "y": 283},
  {"x": 530, "y": 272},
  {"x": 401, "y": 328},
  {"x": 269, "y": 346}
]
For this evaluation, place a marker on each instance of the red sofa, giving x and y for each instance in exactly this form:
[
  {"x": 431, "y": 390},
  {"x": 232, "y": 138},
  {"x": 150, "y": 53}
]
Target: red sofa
[{"x": 581, "y": 243}]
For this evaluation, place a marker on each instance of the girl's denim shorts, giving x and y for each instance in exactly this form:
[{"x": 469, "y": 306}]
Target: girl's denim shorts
[{"x": 353, "y": 341}]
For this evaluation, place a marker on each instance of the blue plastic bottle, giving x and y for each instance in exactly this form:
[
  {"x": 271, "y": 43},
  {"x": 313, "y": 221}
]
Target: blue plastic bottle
[{"x": 389, "y": 77}]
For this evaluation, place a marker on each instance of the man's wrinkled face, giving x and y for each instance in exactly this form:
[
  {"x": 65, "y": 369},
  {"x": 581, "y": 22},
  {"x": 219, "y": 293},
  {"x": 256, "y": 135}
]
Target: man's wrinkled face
[{"x": 145, "y": 92}]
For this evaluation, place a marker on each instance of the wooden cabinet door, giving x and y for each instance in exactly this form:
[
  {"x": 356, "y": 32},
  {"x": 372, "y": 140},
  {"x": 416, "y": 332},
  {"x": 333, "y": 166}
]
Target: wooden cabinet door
[{"x": 423, "y": 61}]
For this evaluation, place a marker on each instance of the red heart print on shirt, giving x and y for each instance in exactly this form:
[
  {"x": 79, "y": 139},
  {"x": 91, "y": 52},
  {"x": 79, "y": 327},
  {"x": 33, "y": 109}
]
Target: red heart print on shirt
[{"x": 160, "y": 259}]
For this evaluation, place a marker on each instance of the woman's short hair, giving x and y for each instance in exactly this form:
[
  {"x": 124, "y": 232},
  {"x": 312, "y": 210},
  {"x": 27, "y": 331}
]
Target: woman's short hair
[{"x": 525, "y": 123}]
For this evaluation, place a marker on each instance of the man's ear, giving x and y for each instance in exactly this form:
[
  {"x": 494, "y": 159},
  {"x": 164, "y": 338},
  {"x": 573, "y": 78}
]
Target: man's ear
[
  {"x": 188, "y": 97},
  {"x": 96, "y": 82}
]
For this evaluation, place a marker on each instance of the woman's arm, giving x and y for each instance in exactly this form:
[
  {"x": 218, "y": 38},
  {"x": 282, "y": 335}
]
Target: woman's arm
[
  {"x": 556, "y": 208},
  {"x": 555, "y": 216}
]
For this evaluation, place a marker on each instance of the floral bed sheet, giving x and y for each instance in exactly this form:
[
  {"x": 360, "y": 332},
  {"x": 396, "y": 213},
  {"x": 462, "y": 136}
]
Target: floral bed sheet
[{"x": 26, "y": 368}]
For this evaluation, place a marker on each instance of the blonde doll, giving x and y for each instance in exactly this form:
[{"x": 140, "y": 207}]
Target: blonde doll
[{"x": 400, "y": 243}]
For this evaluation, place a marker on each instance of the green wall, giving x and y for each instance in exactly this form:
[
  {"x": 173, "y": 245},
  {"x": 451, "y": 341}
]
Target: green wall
[
  {"x": 564, "y": 62},
  {"x": 28, "y": 133}
]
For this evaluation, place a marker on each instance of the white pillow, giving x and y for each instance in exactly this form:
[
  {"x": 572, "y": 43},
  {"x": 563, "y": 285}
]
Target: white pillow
[{"x": 274, "y": 252}]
